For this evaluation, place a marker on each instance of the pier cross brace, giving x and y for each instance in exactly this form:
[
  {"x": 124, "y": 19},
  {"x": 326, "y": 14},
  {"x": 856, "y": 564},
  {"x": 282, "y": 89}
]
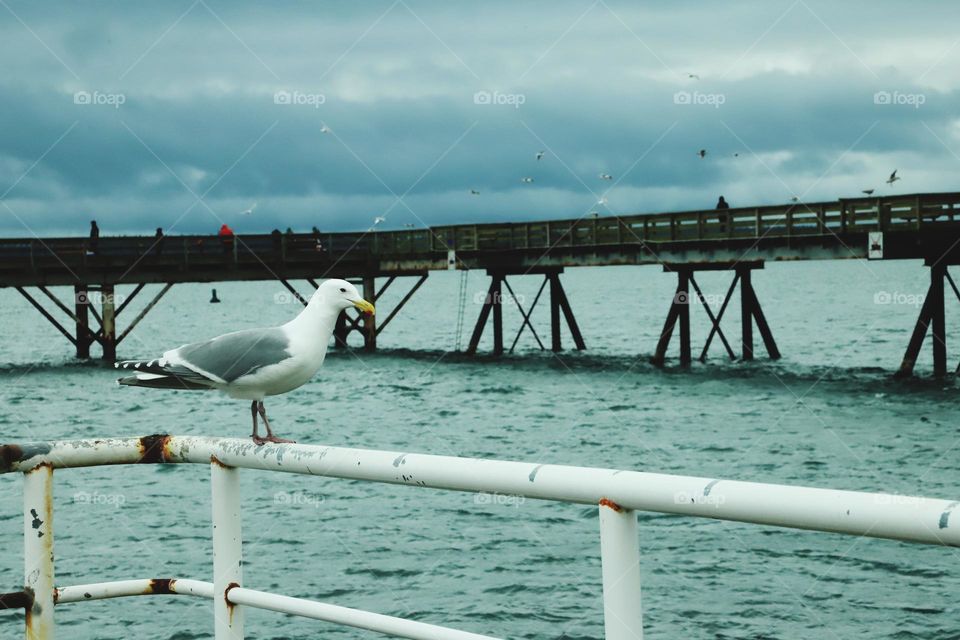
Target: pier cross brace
[
  {"x": 750, "y": 311},
  {"x": 559, "y": 304}
]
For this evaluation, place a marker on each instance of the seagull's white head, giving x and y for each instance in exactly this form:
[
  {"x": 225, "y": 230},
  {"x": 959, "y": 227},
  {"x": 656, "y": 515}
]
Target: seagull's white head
[{"x": 341, "y": 295}]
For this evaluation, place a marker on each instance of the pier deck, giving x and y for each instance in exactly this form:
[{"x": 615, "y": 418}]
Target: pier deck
[{"x": 915, "y": 226}]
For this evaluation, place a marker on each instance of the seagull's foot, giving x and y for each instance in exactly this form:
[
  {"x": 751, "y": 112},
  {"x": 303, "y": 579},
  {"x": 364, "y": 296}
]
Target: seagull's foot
[
  {"x": 273, "y": 438},
  {"x": 259, "y": 440}
]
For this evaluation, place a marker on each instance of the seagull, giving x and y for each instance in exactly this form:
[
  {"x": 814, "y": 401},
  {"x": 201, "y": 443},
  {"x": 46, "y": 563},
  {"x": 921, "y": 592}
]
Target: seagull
[
  {"x": 869, "y": 192},
  {"x": 794, "y": 199},
  {"x": 606, "y": 176},
  {"x": 247, "y": 212},
  {"x": 325, "y": 129},
  {"x": 693, "y": 76},
  {"x": 602, "y": 201},
  {"x": 540, "y": 155},
  {"x": 893, "y": 177},
  {"x": 735, "y": 155},
  {"x": 254, "y": 363},
  {"x": 474, "y": 192},
  {"x": 702, "y": 153},
  {"x": 379, "y": 220},
  {"x": 526, "y": 180}
]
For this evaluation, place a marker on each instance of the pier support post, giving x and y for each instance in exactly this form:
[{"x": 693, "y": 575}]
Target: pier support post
[
  {"x": 38, "y": 551},
  {"x": 620, "y": 564},
  {"x": 496, "y": 294},
  {"x": 227, "y": 550},
  {"x": 108, "y": 321},
  {"x": 81, "y": 297},
  {"x": 931, "y": 315},
  {"x": 340, "y": 331},
  {"x": 746, "y": 315},
  {"x": 369, "y": 320},
  {"x": 559, "y": 303},
  {"x": 751, "y": 312},
  {"x": 490, "y": 302}
]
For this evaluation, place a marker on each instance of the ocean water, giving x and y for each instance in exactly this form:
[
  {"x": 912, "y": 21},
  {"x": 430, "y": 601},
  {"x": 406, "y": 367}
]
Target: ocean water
[{"x": 828, "y": 414}]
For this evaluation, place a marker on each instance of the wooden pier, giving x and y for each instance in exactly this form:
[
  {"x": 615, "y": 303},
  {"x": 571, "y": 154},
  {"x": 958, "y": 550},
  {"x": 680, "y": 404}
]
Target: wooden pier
[{"x": 916, "y": 226}]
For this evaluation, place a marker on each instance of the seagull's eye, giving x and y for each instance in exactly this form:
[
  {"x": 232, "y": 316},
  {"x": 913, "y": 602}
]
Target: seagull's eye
[{"x": 342, "y": 290}]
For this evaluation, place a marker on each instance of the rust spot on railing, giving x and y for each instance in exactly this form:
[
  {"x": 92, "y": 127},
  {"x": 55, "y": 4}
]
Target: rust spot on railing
[
  {"x": 16, "y": 600},
  {"x": 217, "y": 461},
  {"x": 10, "y": 453},
  {"x": 226, "y": 598},
  {"x": 153, "y": 449},
  {"x": 604, "y": 502},
  {"x": 161, "y": 585}
]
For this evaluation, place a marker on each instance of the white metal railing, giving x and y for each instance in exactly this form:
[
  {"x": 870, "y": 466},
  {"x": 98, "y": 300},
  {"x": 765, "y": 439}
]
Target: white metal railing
[{"x": 618, "y": 494}]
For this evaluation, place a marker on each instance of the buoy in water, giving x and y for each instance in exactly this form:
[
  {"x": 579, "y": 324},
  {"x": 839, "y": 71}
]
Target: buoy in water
[{"x": 214, "y": 299}]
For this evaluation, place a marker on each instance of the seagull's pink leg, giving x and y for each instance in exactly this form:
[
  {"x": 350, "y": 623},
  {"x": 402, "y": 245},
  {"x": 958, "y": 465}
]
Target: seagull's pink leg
[{"x": 270, "y": 437}]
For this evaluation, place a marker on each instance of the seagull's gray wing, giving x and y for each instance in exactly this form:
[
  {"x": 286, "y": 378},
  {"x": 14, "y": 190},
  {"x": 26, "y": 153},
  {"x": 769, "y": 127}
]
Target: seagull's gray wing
[{"x": 233, "y": 355}]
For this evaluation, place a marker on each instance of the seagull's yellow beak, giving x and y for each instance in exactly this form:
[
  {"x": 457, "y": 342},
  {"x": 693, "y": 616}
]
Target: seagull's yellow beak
[{"x": 364, "y": 306}]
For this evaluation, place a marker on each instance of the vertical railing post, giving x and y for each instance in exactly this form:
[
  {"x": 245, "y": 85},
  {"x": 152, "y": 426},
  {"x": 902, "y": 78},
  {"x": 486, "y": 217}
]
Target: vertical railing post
[
  {"x": 227, "y": 550},
  {"x": 620, "y": 563},
  {"x": 38, "y": 551}
]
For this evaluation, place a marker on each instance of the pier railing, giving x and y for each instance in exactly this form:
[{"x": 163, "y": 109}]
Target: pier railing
[
  {"x": 617, "y": 494},
  {"x": 902, "y": 213}
]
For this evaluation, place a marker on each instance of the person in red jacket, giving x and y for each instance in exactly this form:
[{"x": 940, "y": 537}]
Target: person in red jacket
[{"x": 226, "y": 237}]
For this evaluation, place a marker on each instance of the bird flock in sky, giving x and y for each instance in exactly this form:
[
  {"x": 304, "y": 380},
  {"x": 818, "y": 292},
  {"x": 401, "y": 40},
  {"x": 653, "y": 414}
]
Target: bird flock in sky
[{"x": 606, "y": 177}]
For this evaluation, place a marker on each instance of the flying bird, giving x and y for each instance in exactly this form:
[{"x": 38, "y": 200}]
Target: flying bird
[
  {"x": 254, "y": 363},
  {"x": 474, "y": 192},
  {"x": 893, "y": 177},
  {"x": 869, "y": 192},
  {"x": 735, "y": 155},
  {"x": 325, "y": 129},
  {"x": 602, "y": 201},
  {"x": 527, "y": 180},
  {"x": 794, "y": 199},
  {"x": 702, "y": 153},
  {"x": 247, "y": 212},
  {"x": 606, "y": 176},
  {"x": 540, "y": 155},
  {"x": 693, "y": 76}
]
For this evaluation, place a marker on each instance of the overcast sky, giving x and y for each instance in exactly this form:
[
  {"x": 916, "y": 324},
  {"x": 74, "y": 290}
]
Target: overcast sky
[{"x": 185, "y": 114}]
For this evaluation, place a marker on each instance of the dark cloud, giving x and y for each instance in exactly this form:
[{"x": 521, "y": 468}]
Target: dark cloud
[{"x": 434, "y": 99}]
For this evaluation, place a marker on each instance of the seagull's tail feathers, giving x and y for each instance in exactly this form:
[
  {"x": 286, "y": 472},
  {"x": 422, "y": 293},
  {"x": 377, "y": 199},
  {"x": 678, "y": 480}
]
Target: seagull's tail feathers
[{"x": 160, "y": 375}]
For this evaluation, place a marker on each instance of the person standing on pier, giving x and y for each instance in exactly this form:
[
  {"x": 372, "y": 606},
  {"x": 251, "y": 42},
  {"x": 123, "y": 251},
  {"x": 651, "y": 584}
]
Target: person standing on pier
[
  {"x": 158, "y": 242},
  {"x": 724, "y": 217},
  {"x": 226, "y": 238},
  {"x": 94, "y": 237}
]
